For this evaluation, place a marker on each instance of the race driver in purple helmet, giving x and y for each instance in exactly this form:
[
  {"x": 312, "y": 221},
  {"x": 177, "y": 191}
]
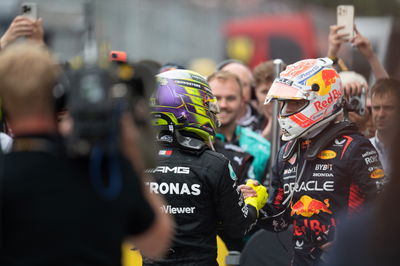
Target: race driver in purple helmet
[{"x": 198, "y": 183}]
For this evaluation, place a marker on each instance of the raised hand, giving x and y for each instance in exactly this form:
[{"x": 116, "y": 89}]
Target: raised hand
[
  {"x": 335, "y": 40},
  {"x": 22, "y": 26}
]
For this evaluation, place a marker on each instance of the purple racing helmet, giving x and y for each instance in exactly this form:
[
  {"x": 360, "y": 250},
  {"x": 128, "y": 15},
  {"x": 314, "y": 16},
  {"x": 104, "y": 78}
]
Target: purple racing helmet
[{"x": 183, "y": 99}]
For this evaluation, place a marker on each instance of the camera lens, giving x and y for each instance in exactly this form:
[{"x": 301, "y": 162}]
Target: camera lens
[
  {"x": 355, "y": 102},
  {"x": 26, "y": 9}
]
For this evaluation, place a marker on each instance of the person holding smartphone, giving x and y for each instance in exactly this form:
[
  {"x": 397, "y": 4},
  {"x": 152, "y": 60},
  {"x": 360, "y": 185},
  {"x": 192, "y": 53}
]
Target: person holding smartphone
[
  {"x": 346, "y": 31},
  {"x": 362, "y": 43},
  {"x": 335, "y": 40},
  {"x": 23, "y": 26}
]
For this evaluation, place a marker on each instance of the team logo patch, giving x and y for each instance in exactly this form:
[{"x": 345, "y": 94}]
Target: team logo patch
[
  {"x": 327, "y": 154},
  {"x": 377, "y": 173},
  {"x": 165, "y": 153},
  {"x": 307, "y": 206},
  {"x": 231, "y": 172},
  {"x": 299, "y": 244},
  {"x": 340, "y": 142}
]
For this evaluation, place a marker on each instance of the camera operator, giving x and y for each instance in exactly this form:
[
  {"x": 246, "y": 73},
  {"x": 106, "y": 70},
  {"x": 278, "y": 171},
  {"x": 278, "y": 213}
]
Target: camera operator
[
  {"x": 51, "y": 213},
  {"x": 21, "y": 26}
]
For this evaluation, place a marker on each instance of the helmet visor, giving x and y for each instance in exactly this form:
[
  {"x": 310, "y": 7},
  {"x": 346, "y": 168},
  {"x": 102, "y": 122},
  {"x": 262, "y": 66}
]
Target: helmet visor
[
  {"x": 291, "y": 107},
  {"x": 282, "y": 89},
  {"x": 213, "y": 105}
]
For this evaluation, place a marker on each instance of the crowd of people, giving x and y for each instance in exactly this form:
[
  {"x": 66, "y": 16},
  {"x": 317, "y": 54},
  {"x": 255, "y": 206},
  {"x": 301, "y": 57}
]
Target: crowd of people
[{"x": 336, "y": 164}]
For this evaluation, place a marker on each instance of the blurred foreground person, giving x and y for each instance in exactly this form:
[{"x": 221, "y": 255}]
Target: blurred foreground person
[
  {"x": 325, "y": 167},
  {"x": 371, "y": 238},
  {"x": 199, "y": 184},
  {"x": 21, "y": 26},
  {"x": 51, "y": 213}
]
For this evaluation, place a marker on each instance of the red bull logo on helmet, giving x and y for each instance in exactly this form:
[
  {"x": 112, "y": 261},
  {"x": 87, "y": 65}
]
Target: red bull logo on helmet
[
  {"x": 324, "y": 79},
  {"x": 307, "y": 206},
  {"x": 333, "y": 96},
  {"x": 329, "y": 77}
]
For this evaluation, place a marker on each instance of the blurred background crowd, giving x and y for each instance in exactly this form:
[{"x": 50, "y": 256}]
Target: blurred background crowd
[
  {"x": 232, "y": 43},
  {"x": 199, "y": 34}
]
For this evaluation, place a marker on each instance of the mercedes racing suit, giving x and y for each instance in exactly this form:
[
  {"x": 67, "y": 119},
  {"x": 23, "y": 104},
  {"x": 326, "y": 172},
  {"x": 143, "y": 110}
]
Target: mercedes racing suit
[
  {"x": 200, "y": 189},
  {"x": 310, "y": 192},
  {"x": 241, "y": 162}
]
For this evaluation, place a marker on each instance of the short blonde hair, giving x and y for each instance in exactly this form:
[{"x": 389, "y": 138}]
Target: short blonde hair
[{"x": 28, "y": 73}]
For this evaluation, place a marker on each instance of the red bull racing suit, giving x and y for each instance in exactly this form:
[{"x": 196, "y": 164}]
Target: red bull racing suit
[
  {"x": 309, "y": 192},
  {"x": 200, "y": 189}
]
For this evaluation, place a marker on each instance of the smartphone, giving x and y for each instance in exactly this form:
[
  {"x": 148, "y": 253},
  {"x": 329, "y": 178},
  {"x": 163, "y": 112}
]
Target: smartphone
[
  {"x": 345, "y": 17},
  {"x": 29, "y": 10}
]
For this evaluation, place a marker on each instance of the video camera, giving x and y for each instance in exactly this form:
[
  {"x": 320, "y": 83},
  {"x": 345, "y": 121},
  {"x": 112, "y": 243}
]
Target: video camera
[
  {"x": 98, "y": 96},
  {"x": 96, "y": 101}
]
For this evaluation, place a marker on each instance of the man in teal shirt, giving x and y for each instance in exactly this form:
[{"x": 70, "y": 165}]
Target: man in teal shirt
[{"x": 227, "y": 88}]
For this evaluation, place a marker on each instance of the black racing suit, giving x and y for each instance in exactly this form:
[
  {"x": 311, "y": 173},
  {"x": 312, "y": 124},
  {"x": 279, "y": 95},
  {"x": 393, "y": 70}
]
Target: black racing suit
[
  {"x": 241, "y": 162},
  {"x": 201, "y": 193},
  {"x": 344, "y": 174}
]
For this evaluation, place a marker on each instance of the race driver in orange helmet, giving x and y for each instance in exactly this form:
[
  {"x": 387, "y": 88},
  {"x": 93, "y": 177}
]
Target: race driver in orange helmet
[{"x": 326, "y": 166}]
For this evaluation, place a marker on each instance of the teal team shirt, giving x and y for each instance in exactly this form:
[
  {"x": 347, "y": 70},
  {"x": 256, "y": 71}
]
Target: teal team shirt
[{"x": 254, "y": 144}]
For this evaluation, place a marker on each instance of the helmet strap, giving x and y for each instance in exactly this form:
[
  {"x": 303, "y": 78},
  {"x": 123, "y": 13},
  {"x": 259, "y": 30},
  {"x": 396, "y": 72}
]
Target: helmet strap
[
  {"x": 313, "y": 133},
  {"x": 210, "y": 143}
]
